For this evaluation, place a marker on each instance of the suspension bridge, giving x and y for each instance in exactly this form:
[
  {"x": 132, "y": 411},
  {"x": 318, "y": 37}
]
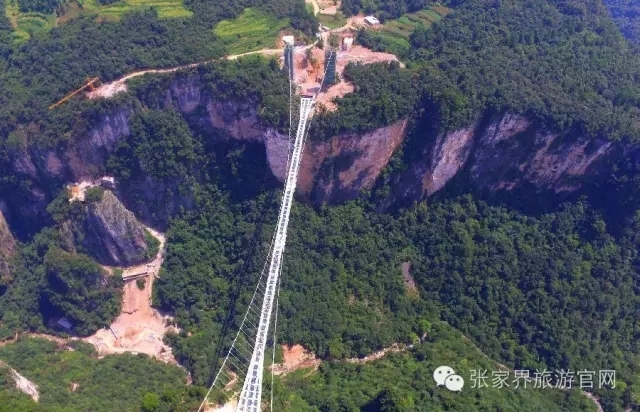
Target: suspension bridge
[{"x": 243, "y": 366}]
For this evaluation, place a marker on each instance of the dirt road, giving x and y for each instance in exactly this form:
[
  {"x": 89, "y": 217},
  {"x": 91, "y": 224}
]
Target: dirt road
[
  {"x": 316, "y": 7},
  {"x": 112, "y": 88},
  {"x": 139, "y": 327}
]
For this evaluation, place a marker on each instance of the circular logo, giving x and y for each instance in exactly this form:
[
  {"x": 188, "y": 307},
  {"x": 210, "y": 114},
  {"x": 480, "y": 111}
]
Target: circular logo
[{"x": 441, "y": 373}]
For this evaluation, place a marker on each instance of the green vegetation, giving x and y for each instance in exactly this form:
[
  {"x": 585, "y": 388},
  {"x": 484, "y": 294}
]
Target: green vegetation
[
  {"x": 55, "y": 283},
  {"x": 555, "y": 290},
  {"x": 31, "y": 20},
  {"x": 625, "y": 13},
  {"x": 81, "y": 291},
  {"x": 41, "y": 6},
  {"x": 153, "y": 244},
  {"x": 385, "y": 93},
  {"x": 116, "y": 9},
  {"x": 404, "y": 382},
  {"x": 252, "y": 30},
  {"x": 333, "y": 22},
  {"x": 93, "y": 194},
  {"x": 406, "y": 24},
  {"x": 74, "y": 379},
  {"x": 541, "y": 58}
]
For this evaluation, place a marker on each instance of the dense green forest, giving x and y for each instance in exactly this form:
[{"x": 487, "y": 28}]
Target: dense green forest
[
  {"x": 72, "y": 378},
  {"x": 51, "y": 282},
  {"x": 564, "y": 63},
  {"x": 626, "y": 14},
  {"x": 42, "y": 6},
  {"x": 554, "y": 290},
  {"x": 404, "y": 383}
]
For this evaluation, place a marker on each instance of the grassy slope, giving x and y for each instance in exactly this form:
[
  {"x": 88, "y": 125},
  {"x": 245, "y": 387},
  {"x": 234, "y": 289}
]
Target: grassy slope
[
  {"x": 252, "y": 30},
  {"x": 30, "y": 24},
  {"x": 404, "y": 26}
]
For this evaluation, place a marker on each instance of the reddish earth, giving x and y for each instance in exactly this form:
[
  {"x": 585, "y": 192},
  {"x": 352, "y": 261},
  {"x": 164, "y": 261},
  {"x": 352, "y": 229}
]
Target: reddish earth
[
  {"x": 139, "y": 328},
  {"x": 309, "y": 70},
  {"x": 295, "y": 357}
]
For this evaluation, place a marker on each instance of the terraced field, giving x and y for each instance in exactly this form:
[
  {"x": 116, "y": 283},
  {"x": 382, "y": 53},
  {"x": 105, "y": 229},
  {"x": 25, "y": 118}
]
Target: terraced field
[
  {"x": 166, "y": 8},
  {"x": 252, "y": 30},
  {"x": 404, "y": 26},
  {"x": 28, "y": 24},
  {"x": 333, "y": 22}
]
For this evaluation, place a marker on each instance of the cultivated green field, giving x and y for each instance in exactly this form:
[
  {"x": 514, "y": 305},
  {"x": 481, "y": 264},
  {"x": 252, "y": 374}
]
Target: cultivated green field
[
  {"x": 404, "y": 26},
  {"x": 252, "y": 30},
  {"x": 166, "y": 8},
  {"x": 29, "y": 24},
  {"x": 333, "y": 22}
]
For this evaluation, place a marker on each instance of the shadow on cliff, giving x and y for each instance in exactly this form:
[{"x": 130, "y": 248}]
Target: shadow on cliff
[{"x": 510, "y": 161}]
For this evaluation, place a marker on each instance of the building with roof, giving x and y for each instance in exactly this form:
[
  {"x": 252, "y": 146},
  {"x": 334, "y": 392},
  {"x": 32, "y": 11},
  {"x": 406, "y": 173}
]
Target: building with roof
[
  {"x": 371, "y": 20},
  {"x": 288, "y": 40},
  {"x": 347, "y": 42}
]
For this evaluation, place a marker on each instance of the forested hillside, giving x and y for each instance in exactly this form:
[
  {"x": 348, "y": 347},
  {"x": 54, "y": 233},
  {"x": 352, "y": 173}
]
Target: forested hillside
[
  {"x": 73, "y": 378},
  {"x": 564, "y": 63},
  {"x": 553, "y": 289},
  {"x": 626, "y": 13},
  {"x": 403, "y": 382}
]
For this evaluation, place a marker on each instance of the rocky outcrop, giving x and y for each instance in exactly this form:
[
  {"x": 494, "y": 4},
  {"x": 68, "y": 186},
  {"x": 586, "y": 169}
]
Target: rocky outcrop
[
  {"x": 497, "y": 152},
  {"x": 113, "y": 235},
  {"x": 89, "y": 155},
  {"x": 338, "y": 169},
  {"x": 7, "y": 247},
  {"x": 22, "y": 384},
  {"x": 507, "y": 152}
]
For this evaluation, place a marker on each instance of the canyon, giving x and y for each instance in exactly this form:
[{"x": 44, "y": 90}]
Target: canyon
[{"x": 497, "y": 152}]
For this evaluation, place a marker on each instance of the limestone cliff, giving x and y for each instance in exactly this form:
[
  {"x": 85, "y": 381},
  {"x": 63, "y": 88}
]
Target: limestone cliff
[
  {"x": 7, "y": 248},
  {"x": 112, "y": 233},
  {"x": 496, "y": 152},
  {"x": 506, "y": 152}
]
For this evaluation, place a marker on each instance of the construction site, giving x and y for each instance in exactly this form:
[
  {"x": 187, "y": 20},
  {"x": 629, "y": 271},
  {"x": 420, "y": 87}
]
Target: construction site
[{"x": 335, "y": 47}]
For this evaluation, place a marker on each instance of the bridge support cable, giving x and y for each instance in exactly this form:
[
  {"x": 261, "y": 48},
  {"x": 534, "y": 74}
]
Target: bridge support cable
[
  {"x": 251, "y": 395},
  {"x": 244, "y": 364},
  {"x": 233, "y": 369}
]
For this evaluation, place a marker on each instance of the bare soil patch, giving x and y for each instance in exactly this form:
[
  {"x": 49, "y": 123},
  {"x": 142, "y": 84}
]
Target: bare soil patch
[
  {"x": 308, "y": 72},
  {"x": 139, "y": 328},
  {"x": 295, "y": 357},
  {"x": 409, "y": 282}
]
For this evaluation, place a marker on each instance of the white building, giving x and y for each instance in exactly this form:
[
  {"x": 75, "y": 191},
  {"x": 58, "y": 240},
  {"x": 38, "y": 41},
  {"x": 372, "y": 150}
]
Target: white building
[
  {"x": 108, "y": 181},
  {"x": 371, "y": 21},
  {"x": 290, "y": 40},
  {"x": 347, "y": 42}
]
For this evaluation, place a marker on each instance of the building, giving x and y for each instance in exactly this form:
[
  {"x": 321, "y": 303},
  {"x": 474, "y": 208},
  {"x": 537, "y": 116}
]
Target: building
[
  {"x": 108, "y": 182},
  {"x": 371, "y": 21},
  {"x": 347, "y": 42},
  {"x": 288, "y": 40},
  {"x": 64, "y": 323}
]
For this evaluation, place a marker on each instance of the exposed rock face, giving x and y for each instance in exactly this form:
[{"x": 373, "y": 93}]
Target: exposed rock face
[
  {"x": 91, "y": 154},
  {"x": 22, "y": 384},
  {"x": 7, "y": 247},
  {"x": 113, "y": 235},
  {"x": 503, "y": 152},
  {"x": 337, "y": 170}
]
